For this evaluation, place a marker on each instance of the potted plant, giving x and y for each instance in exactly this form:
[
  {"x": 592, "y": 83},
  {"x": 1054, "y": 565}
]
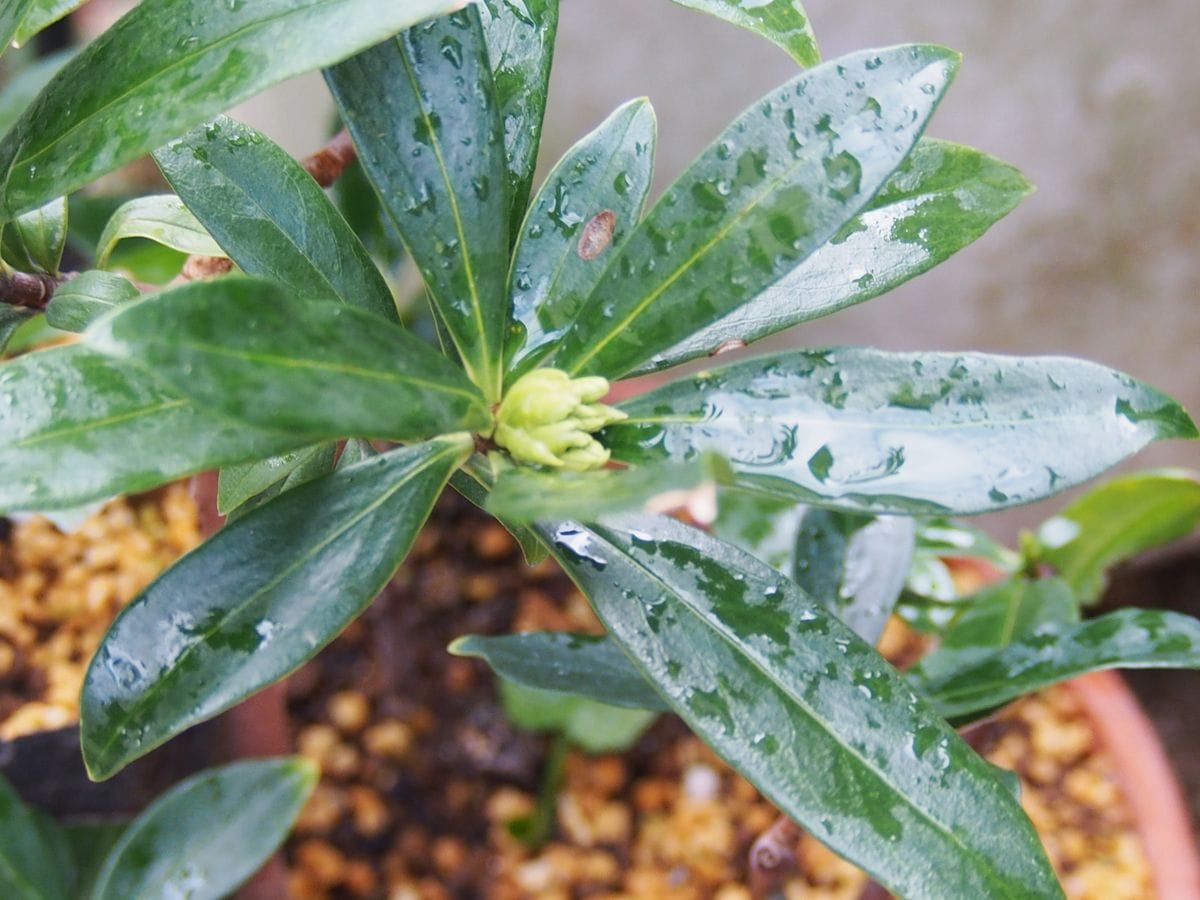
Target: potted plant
[{"x": 824, "y": 194}]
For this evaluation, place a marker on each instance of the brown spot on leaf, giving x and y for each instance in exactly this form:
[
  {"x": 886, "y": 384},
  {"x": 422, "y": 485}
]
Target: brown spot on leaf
[
  {"x": 728, "y": 346},
  {"x": 597, "y": 234}
]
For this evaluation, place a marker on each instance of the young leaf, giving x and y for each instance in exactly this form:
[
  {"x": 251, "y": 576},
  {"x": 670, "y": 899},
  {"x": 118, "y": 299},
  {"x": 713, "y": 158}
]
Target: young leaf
[
  {"x": 942, "y": 198},
  {"x": 12, "y": 14},
  {"x": 161, "y": 218},
  {"x": 264, "y": 479},
  {"x": 805, "y": 710},
  {"x": 581, "y": 215},
  {"x": 1056, "y": 651},
  {"x": 1115, "y": 521},
  {"x": 256, "y": 600},
  {"x": 169, "y": 65},
  {"x": 782, "y": 180},
  {"x": 581, "y": 664},
  {"x": 441, "y": 177},
  {"x": 76, "y": 426},
  {"x": 783, "y": 22},
  {"x": 856, "y": 565},
  {"x": 318, "y": 370},
  {"x": 209, "y": 833},
  {"x": 270, "y": 216},
  {"x": 520, "y": 44},
  {"x": 87, "y": 297},
  {"x": 35, "y": 240},
  {"x": 41, "y": 15},
  {"x": 595, "y": 727},
  {"x": 913, "y": 434},
  {"x": 31, "y": 862}
]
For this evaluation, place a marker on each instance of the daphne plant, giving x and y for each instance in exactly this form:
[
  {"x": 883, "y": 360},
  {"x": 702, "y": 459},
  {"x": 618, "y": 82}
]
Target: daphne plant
[{"x": 824, "y": 194}]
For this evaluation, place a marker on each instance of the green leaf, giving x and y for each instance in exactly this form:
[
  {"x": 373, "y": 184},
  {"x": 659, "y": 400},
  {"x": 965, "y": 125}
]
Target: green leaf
[
  {"x": 12, "y": 14},
  {"x": 805, "y": 710},
  {"x": 783, "y": 22},
  {"x": 42, "y": 14},
  {"x": 263, "y": 479},
  {"x": 520, "y": 43},
  {"x": 87, "y": 297},
  {"x": 782, "y": 180},
  {"x": 161, "y": 218},
  {"x": 90, "y": 846},
  {"x": 20, "y": 89},
  {"x": 526, "y": 495},
  {"x": 76, "y": 426},
  {"x": 270, "y": 216},
  {"x": 942, "y": 198},
  {"x": 318, "y": 370},
  {"x": 1053, "y": 652},
  {"x": 595, "y": 727},
  {"x": 582, "y": 214},
  {"x": 169, "y": 65},
  {"x": 35, "y": 240},
  {"x": 31, "y": 865},
  {"x": 475, "y": 482},
  {"x": 580, "y": 664},
  {"x": 914, "y": 434},
  {"x": 12, "y": 318},
  {"x": 765, "y": 527},
  {"x": 856, "y": 565},
  {"x": 425, "y": 115},
  {"x": 256, "y": 600},
  {"x": 1115, "y": 521},
  {"x": 948, "y": 537},
  {"x": 209, "y": 833}
]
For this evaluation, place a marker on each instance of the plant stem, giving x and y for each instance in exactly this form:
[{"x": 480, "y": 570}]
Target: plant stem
[
  {"x": 535, "y": 829},
  {"x": 31, "y": 290}
]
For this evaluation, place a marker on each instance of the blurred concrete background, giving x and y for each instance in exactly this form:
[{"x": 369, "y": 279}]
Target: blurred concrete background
[{"x": 1098, "y": 101}]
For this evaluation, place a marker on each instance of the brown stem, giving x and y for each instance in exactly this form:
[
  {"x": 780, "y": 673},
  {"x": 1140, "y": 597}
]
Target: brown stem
[{"x": 29, "y": 289}]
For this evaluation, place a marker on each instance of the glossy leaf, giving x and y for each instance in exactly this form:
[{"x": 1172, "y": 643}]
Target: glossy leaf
[
  {"x": 942, "y": 198},
  {"x": 805, "y": 710},
  {"x": 475, "y": 482},
  {"x": 20, "y": 89},
  {"x": 169, "y": 65},
  {"x": 927, "y": 433},
  {"x": 582, "y": 214},
  {"x": 31, "y": 862},
  {"x": 209, "y": 833},
  {"x": 782, "y": 22},
  {"x": 41, "y": 14},
  {"x": 256, "y": 600},
  {"x": 595, "y": 727},
  {"x": 1115, "y": 521},
  {"x": 87, "y": 297},
  {"x": 76, "y": 426},
  {"x": 765, "y": 527},
  {"x": 35, "y": 241},
  {"x": 526, "y": 495},
  {"x": 856, "y": 565},
  {"x": 441, "y": 176},
  {"x": 318, "y": 370},
  {"x": 782, "y": 180},
  {"x": 270, "y": 216},
  {"x": 520, "y": 43},
  {"x": 581, "y": 664},
  {"x": 12, "y": 318},
  {"x": 161, "y": 218},
  {"x": 1054, "y": 652},
  {"x": 12, "y": 14},
  {"x": 263, "y": 479}
]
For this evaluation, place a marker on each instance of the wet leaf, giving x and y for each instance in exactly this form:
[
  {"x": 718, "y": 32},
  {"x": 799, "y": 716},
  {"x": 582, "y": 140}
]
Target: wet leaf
[
  {"x": 765, "y": 527},
  {"x": 169, "y": 65},
  {"x": 782, "y": 180},
  {"x": 87, "y": 297},
  {"x": 20, "y": 89},
  {"x": 35, "y": 241},
  {"x": 608, "y": 171},
  {"x": 913, "y": 434},
  {"x": 255, "y": 601},
  {"x": 270, "y": 216},
  {"x": 783, "y": 22},
  {"x": 209, "y": 833},
  {"x": 594, "y": 727},
  {"x": 942, "y": 198},
  {"x": 1127, "y": 639},
  {"x": 318, "y": 370},
  {"x": 76, "y": 426},
  {"x": 32, "y": 866},
  {"x": 261, "y": 480},
  {"x": 520, "y": 42},
  {"x": 805, "y": 710},
  {"x": 441, "y": 176},
  {"x": 856, "y": 565},
  {"x": 582, "y": 664},
  {"x": 1115, "y": 521},
  {"x": 161, "y": 218}
]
